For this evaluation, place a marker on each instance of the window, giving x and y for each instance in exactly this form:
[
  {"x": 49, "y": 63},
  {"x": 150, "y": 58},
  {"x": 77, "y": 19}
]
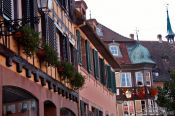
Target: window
[
  {"x": 151, "y": 106},
  {"x": 83, "y": 108},
  {"x": 99, "y": 31},
  {"x": 128, "y": 108},
  {"x": 96, "y": 112},
  {"x": 139, "y": 78},
  {"x": 125, "y": 80},
  {"x": 143, "y": 103},
  {"x": 114, "y": 50},
  {"x": 147, "y": 79}
]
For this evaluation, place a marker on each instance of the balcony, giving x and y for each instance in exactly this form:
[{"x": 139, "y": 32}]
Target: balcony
[{"x": 136, "y": 93}]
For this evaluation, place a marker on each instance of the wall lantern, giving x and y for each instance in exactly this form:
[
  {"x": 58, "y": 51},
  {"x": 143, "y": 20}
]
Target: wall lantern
[
  {"x": 45, "y": 5},
  {"x": 128, "y": 94}
]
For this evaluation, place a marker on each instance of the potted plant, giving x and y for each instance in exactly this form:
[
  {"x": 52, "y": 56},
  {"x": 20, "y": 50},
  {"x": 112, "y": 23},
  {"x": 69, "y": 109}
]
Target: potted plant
[
  {"x": 48, "y": 54},
  {"x": 153, "y": 91},
  {"x": 77, "y": 81},
  {"x": 140, "y": 92},
  {"x": 29, "y": 39},
  {"x": 66, "y": 70}
]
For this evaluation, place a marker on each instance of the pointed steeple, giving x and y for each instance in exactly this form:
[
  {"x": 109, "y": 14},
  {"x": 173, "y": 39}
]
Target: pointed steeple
[{"x": 170, "y": 33}]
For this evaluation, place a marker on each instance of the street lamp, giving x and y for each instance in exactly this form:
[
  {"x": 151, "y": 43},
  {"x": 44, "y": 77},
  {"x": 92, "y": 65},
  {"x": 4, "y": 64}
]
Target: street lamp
[
  {"x": 45, "y": 5},
  {"x": 128, "y": 94}
]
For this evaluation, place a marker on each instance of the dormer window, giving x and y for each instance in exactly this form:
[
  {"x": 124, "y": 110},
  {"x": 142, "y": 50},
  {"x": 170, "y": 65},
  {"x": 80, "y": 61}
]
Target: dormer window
[
  {"x": 114, "y": 50},
  {"x": 156, "y": 72},
  {"x": 99, "y": 31}
]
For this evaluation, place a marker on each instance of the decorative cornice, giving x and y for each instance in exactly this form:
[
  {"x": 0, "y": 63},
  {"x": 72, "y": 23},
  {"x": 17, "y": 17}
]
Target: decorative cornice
[{"x": 38, "y": 74}]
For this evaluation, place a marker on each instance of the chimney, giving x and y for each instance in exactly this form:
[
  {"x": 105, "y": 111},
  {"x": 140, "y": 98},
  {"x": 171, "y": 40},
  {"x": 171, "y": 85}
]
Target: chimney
[
  {"x": 159, "y": 37},
  {"x": 132, "y": 36},
  {"x": 93, "y": 23}
]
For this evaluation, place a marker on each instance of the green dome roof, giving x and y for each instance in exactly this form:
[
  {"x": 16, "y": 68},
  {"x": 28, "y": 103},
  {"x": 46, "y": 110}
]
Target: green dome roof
[{"x": 139, "y": 54}]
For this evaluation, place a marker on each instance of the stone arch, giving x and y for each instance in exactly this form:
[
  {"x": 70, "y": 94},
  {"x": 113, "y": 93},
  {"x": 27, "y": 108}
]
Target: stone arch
[
  {"x": 49, "y": 108},
  {"x": 66, "y": 112}
]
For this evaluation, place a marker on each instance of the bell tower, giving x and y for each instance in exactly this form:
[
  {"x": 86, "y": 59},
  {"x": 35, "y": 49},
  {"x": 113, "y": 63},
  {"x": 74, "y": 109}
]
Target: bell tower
[{"x": 170, "y": 33}]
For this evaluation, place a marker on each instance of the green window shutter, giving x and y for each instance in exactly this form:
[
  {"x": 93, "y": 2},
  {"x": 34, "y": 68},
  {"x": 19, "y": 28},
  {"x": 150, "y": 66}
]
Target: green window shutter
[
  {"x": 109, "y": 77},
  {"x": 51, "y": 34},
  {"x": 81, "y": 107},
  {"x": 105, "y": 75},
  {"x": 113, "y": 83},
  {"x": 102, "y": 71},
  {"x": 7, "y": 8},
  {"x": 79, "y": 47},
  {"x": 88, "y": 60},
  {"x": 96, "y": 63}
]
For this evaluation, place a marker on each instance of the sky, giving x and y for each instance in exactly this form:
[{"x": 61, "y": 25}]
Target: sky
[{"x": 148, "y": 17}]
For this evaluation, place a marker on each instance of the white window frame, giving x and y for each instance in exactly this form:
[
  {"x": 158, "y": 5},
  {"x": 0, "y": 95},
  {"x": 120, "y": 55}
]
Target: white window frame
[
  {"x": 137, "y": 76},
  {"x": 127, "y": 75},
  {"x": 128, "y": 104},
  {"x": 114, "y": 50},
  {"x": 148, "y": 78},
  {"x": 143, "y": 107}
]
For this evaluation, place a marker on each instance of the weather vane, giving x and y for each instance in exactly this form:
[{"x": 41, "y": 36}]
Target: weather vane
[
  {"x": 167, "y": 6},
  {"x": 137, "y": 34}
]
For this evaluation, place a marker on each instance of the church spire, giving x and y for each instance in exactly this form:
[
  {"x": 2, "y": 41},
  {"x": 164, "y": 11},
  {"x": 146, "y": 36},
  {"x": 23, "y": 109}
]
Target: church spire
[{"x": 170, "y": 33}]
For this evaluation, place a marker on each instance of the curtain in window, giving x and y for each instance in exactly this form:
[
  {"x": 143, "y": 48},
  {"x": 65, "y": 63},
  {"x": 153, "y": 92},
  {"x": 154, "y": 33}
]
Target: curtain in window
[
  {"x": 128, "y": 80},
  {"x": 123, "y": 80},
  {"x": 139, "y": 78},
  {"x": 88, "y": 57}
]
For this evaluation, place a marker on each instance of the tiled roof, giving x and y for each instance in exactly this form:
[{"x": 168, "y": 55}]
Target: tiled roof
[
  {"x": 94, "y": 39},
  {"x": 109, "y": 35},
  {"x": 164, "y": 56}
]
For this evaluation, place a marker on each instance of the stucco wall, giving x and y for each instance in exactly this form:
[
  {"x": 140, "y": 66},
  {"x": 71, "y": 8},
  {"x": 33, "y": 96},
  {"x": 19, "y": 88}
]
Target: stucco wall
[
  {"x": 10, "y": 78},
  {"x": 98, "y": 95}
]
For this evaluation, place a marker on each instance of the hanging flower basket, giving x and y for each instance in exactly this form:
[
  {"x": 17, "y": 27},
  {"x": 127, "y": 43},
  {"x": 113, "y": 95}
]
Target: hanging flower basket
[
  {"x": 140, "y": 92},
  {"x": 29, "y": 39},
  {"x": 154, "y": 92},
  {"x": 66, "y": 70},
  {"x": 41, "y": 54},
  {"x": 60, "y": 69},
  {"x": 77, "y": 81},
  {"x": 18, "y": 34},
  {"x": 48, "y": 54}
]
